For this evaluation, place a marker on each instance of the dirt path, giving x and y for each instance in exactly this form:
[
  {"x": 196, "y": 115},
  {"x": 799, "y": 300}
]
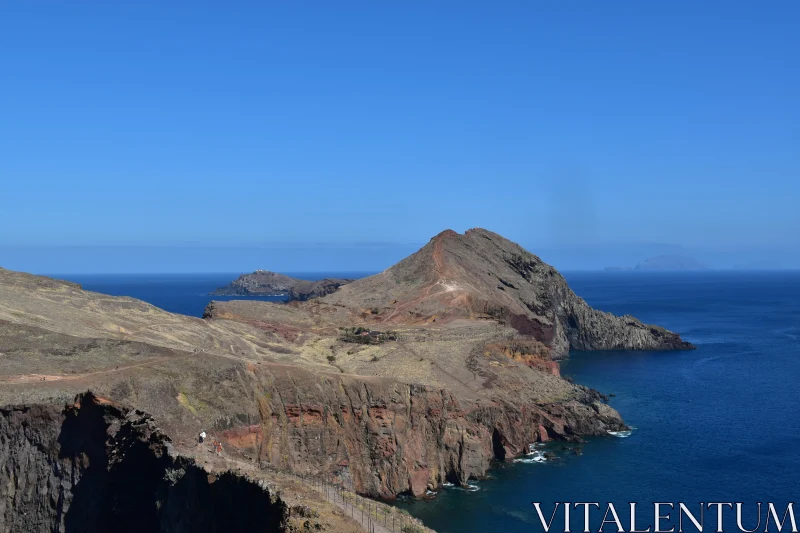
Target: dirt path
[
  {"x": 38, "y": 378},
  {"x": 17, "y": 379},
  {"x": 439, "y": 270},
  {"x": 426, "y": 292},
  {"x": 438, "y": 267}
]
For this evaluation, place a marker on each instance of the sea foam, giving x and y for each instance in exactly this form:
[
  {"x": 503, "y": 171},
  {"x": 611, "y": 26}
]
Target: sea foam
[{"x": 621, "y": 434}]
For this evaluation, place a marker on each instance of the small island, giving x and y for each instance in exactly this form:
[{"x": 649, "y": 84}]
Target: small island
[
  {"x": 663, "y": 263},
  {"x": 267, "y": 283}
]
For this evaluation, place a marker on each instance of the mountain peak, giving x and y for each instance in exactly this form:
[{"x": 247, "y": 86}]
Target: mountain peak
[{"x": 445, "y": 233}]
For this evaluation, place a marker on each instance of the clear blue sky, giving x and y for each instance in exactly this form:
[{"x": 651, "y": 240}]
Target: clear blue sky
[{"x": 249, "y": 125}]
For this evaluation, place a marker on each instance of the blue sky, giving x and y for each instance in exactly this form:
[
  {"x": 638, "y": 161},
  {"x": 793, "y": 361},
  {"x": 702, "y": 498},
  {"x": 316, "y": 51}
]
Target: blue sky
[{"x": 363, "y": 126}]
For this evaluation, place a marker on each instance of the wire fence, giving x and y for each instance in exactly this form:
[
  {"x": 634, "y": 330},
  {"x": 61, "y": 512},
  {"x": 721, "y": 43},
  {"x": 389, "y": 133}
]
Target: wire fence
[{"x": 373, "y": 516}]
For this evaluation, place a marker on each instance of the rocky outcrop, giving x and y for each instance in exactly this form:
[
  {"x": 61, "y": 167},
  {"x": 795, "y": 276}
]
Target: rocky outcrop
[
  {"x": 305, "y": 290},
  {"x": 95, "y": 466},
  {"x": 558, "y": 317},
  {"x": 265, "y": 283}
]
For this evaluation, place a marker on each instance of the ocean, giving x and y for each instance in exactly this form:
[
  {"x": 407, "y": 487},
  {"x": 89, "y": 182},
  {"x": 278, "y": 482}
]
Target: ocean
[
  {"x": 187, "y": 294},
  {"x": 719, "y": 424}
]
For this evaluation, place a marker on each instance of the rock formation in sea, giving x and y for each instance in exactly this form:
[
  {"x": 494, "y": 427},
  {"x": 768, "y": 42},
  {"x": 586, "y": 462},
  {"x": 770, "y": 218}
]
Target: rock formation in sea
[
  {"x": 395, "y": 383},
  {"x": 258, "y": 283},
  {"x": 266, "y": 283}
]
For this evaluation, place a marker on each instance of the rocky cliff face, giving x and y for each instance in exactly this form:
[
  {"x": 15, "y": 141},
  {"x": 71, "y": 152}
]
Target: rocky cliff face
[
  {"x": 96, "y": 467},
  {"x": 305, "y": 290},
  {"x": 389, "y": 438},
  {"x": 554, "y": 314}
]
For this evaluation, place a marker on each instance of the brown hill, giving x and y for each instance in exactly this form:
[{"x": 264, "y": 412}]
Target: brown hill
[{"x": 481, "y": 275}]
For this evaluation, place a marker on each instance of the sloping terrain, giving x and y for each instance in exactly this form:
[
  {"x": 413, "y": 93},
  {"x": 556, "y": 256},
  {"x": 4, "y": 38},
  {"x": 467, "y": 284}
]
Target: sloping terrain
[{"x": 482, "y": 275}]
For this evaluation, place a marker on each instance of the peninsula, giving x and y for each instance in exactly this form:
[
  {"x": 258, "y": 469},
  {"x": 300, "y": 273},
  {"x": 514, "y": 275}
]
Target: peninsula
[{"x": 397, "y": 383}]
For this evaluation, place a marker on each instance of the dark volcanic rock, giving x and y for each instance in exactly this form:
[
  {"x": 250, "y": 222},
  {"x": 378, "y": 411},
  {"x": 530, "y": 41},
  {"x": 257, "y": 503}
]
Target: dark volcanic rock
[
  {"x": 305, "y": 290},
  {"x": 93, "y": 466}
]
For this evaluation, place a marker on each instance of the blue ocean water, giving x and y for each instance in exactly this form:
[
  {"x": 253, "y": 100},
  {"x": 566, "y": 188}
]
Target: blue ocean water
[
  {"x": 187, "y": 294},
  {"x": 721, "y": 423}
]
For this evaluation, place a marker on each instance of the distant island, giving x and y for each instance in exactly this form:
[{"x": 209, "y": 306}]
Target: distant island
[
  {"x": 763, "y": 264},
  {"x": 671, "y": 262},
  {"x": 664, "y": 263},
  {"x": 266, "y": 283}
]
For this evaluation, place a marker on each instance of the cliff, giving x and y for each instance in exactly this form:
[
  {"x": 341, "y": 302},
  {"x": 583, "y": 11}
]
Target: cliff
[
  {"x": 265, "y": 283},
  {"x": 94, "y": 466},
  {"x": 386, "y": 437}
]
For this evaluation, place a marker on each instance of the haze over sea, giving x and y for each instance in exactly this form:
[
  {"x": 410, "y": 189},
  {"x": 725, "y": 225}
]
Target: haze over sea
[{"x": 717, "y": 424}]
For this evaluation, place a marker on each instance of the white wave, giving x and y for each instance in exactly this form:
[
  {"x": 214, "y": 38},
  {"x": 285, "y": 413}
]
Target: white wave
[
  {"x": 535, "y": 457},
  {"x": 447, "y": 484},
  {"x": 621, "y": 434},
  {"x": 469, "y": 487}
]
